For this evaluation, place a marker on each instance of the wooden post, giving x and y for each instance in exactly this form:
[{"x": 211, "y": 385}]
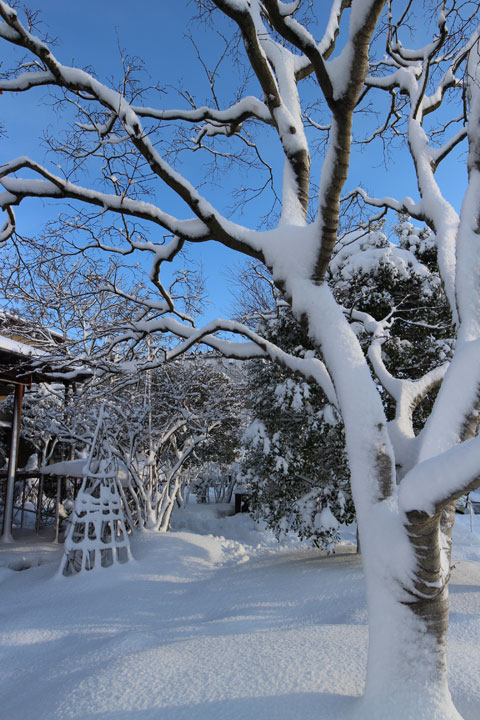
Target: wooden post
[
  {"x": 57, "y": 510},
  {"x": 62, "y": 482},
  {"x": 24, "y": 494},
  {"x": 38, "y": 521},
  {"x": 7, "y": 536}
]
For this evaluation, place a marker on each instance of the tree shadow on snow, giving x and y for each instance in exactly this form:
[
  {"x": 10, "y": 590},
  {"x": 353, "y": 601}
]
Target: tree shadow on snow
[{"x": 307, "y": 706}]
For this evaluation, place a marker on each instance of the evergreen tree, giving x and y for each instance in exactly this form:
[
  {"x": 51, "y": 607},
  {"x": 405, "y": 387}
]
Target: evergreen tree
[
  {"x": 294, "y": 448},
  {"x": 398, "y": 281},
  {"x": 295, "y": 457}
]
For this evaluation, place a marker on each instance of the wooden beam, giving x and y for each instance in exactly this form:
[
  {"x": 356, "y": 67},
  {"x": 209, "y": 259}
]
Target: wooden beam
[{"x": 7, "y": 536}]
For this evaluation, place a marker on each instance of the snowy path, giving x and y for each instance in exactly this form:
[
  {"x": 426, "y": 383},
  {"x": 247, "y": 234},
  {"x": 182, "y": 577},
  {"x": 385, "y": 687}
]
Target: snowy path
[{"x": 202, "y": 628}]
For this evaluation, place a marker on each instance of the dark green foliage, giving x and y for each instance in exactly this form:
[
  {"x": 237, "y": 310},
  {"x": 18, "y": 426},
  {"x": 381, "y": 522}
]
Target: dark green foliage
[
  {"x": 399, "y": 281},
  {"x": 295, "y": 458},
  {"x": 295, "y": 454}
]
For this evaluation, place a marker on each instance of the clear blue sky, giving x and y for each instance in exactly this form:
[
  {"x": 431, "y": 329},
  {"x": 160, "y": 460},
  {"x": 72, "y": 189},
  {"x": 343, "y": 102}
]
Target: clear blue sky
[{"x": 90, "y": 32}]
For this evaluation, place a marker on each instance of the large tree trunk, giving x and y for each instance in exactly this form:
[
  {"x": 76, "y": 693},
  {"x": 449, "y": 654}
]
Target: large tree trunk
[
  {"x": 406, "y": 558},
  {"x": 408, "y": 619}
]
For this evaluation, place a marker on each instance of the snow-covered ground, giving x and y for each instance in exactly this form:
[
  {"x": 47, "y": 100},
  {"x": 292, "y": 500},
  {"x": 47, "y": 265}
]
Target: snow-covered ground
[{"x": 214, "y": 621}]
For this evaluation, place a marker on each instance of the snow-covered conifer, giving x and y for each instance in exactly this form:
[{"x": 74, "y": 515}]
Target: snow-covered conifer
[{"x": 295, "y": 460}]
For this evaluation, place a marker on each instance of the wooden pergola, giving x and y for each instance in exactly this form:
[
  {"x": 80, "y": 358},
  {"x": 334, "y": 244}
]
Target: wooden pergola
[{"x": 18, "y": 371}]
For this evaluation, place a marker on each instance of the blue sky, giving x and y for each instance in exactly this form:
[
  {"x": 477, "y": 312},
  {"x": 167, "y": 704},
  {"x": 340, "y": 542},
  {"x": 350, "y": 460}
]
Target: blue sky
[{"x": 90, "y": 33}]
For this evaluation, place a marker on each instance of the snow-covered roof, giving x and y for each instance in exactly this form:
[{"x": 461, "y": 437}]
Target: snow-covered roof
[
  {"x": 17, "y": 364},
  {"x": 15, "y": 346},
  {"x": 12, "y": 320}
]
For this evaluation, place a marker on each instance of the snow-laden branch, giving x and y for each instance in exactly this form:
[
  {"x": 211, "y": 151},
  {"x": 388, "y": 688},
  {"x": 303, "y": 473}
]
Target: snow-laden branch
[
  {"x": 242, "y": 14},
  {"x": 325, "y": 47},
  {"x": 74, "y": 79},
  {"x": 81, "y": 83},
  {"x": 148, "y": 304},
  {"x": 8, "y": 228},
  {"x": 438, "y": 212},
  {"x": 459, "y": 397},
  {"x": 439, "y": 154},
  {"x": 287, "y": 8},
  {"x": 407, "y": 205},
  {"x": 403, "y": 79},
  {"x": 207, "y": 225},
  {"x": 412, "y": 392},
  {"x": 412, "y": 74},
  {"x": 310, "y": 368},
  {"x": 406, "y": 393},
  {"x": 350, "y": 70},
  {"x": 436, "y": 482},
  {"x": 449, "y": 80},
  {"x": 274, "y": 67},
  {"x": 26, "y": 81},
  {"x": 257, "y": 347},
  {"x": 193, "y": 230},
  {"x": 427, "y": 54},
  {"x": 55, "y": 186},
  {"x": 299, "y": 36},
  {"x": 246, "y": 108},
  {"x": 469, "y": 230}
]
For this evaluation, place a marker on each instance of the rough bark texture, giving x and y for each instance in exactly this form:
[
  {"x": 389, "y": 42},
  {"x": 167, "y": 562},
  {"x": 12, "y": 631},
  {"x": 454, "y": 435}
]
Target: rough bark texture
[
  {"x": 429, "y": 598},
  {"x": 386, "y": 474},
  {"x": 343, "y": 109},
  {"x": 447, "y": 520}
]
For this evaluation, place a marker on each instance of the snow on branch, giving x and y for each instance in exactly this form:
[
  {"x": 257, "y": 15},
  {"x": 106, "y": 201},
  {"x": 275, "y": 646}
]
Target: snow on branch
[
  {"x": 439, "y": 154},
  {"x": 26, "y": 81},
  {"x": 407, "y": 205},
  {"x": 406, "y": 393},
  {"x": 275, "y": 68},
  {"x": 246, "y": 108},
  {"x": 350, "y": 69},
  {"x": 310, "y": 368},
  {"x": 289, "y": 8},
  {"x": 8, "y": 228},
  {"x": 242, "y": 14},
  {"x": 194, "y": 230},
  {"x": 436, "y": 482},
  {"x": 299, "y": 36},
  {"x": 55, "y": 186},
  {"x": 83, "y": 84},
  {"x": 413, "y": 72}
]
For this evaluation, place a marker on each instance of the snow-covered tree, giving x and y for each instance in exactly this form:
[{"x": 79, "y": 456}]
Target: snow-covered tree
[
  {"x": 396, "y": 283},
  {"x": 157, "y": 425},
  {"x": 295, "y": 458},
  {"x": 158, "y": 418},
  {"x": 294, "y": 461},
  {"x": 308, "y": 78},
  {"x": 295, "y": 446},
  {"x": 194, "y": 416}
]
